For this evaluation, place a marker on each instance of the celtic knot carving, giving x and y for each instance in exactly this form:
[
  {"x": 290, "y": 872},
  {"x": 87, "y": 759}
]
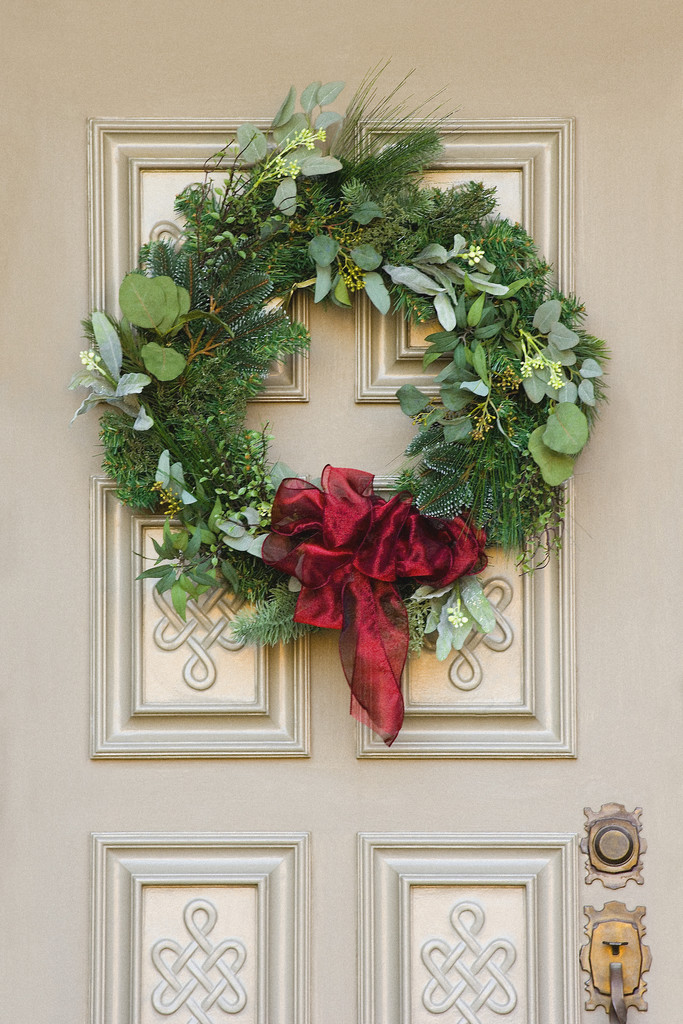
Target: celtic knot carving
[
  {"x": 468, "y": 969},
  {"x": 465, "y": 670},
  {"x": 207, "y": 624},
  {"x": 167, "y": 231},
  {"x": 199, "y": 976}
]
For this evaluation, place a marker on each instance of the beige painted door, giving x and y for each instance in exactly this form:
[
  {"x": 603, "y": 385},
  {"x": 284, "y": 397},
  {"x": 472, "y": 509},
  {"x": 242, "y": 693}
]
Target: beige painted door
[{"x": 316, "y": 869}]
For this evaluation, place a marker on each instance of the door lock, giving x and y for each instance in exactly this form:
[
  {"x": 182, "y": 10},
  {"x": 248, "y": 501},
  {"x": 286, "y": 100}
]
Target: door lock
[
  {"x": 614, "y": 845},
  {"x": 615, "y": 960}
]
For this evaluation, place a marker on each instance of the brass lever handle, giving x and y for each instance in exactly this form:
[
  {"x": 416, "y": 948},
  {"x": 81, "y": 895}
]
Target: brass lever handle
[{"x": 617, "y": 1009}]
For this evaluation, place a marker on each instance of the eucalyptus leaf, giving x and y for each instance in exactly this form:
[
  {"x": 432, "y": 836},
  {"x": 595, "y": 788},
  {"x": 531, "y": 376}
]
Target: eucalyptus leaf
[
  {"x": 108, "y": 343},
  {"x": 366, "y": 257},
  {"x": 411, "y": 399},
  {"x": 285, "y": 197},
  {"x": 587, "y": 392},
  {"x": 477, "y": 387},
  {"x": 413, "y": 279},
  {"x": 567, "y": 393},
  {"x": 309, "y": 97},
  {"x": 143, "y": 300},
  {"x": 366, "y": 212},
  {"x": 323, "y": 283},
  {"x": 453, "y": 398},
  {"x": 547, "y": 314},
  {"x": 328, "y": 93},
  {"x": 323, "y": 250},
  {"x": 296, "y": 123},
  {"x": 256, "y": 546},
  {"x": 286, "y": 110},
  {"x": 567, "y": 429},
  {"x": 590, "y": 368},
  {"x": 326, "y": 118},
  {"x": 457, "y": 430},
  {"x": 251, "y": 515},
  {"x": 534, "y": 388},
  {"x": 561, "y": 337},
  {"x": 313, "y": 165},
  {"x": 162, "y": 362},
  {"x": 555, "y": 468},
  {"x": 377, "y": 292},
  {"x": 169, "y": 290}
]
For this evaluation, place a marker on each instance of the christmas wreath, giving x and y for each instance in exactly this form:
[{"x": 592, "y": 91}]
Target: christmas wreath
[{"x": 317, "y": 203}]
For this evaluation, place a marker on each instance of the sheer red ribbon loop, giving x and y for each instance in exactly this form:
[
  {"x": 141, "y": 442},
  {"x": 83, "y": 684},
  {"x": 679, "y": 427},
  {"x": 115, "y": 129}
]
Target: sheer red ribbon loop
[{"x": 348, "y": 547}]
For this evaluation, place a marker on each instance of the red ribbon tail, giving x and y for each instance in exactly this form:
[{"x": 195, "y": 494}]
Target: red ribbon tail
[{"x": 373, "y": 647}]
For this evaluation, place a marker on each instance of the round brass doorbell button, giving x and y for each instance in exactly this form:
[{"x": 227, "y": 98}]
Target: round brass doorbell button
[{"x": 614, "y": 845}]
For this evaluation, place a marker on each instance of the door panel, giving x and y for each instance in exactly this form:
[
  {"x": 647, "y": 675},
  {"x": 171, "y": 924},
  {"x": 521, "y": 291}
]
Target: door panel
[{"x": 332, "y": 874}]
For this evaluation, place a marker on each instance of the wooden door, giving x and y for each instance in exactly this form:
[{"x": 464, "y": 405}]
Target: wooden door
[{"x": 327, "y": 876}]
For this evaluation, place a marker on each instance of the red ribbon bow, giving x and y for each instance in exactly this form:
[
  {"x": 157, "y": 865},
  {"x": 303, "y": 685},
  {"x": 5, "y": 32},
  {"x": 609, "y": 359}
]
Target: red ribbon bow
[{"x": 348, "y": 546}]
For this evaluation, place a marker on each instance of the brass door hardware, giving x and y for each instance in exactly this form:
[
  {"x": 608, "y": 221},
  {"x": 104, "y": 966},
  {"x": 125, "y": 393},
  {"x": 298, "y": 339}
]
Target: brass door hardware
[
  {"x": 615, "y": 960},
  {"x": 614, "y": 845}
]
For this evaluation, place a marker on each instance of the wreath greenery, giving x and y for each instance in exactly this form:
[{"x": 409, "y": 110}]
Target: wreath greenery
[{"x": 519, "y": 377}]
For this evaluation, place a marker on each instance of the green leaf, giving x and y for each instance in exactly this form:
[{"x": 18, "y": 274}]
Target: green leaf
[
  {"x": 162, "y": 362},
  {"x": 169, "y": 290},
  {"x": 453, "y": 398},
  {"x": 461, "y": 311},
  {"x": 143, "y": 300},
  {"x": 230, "y": 575},
  {"x": 587, "y": 392},
  {"x": 328, "y": 93},
  {"x": 477, "y": 387},
  {"x": 366, "y": 257},
  {"x": 179, "y": 598},
  {"x": 534, "y": 387},
  {"x": 341, "y": 292},
  {"x": 547, "y": 314},
  {"x": 327, "y": 118},
  {"x": 590, "y": 368},
  {"x": 566, "y": 430},
  {"x": 433, "y": 253},
  {"x": 143, "y": 421},
  {"x": 377, "y": 292},
  {"x": 313, "y": 165},
  {"x": 323, "y": 249},
  {"x": 309, "y": 96},
  {"x": 489, "y": 287},
  {"x": 285, "y": 197},
  {"x": 411, "y": 399},
  {"x": 490, "y": 331},
  {"x": 555, "y": 468},
  {"x": 516, "y": 286},
  {"x": 457, "y": 430},
  {"x": 567, "y": 393},
  {"x": 366, "y": 212},
  {"x": 477, "y": 604},
  {"x": 323, "y": 282},
  {"x": 131, "y": 384},
  {"x": 155, "y": 573},
  {"x": 290, "y": 127},
  {"x": 413, "y": 279},
  {"x": 475, "y": 310},
  {"x": 286, "y": 110},
  {"x": 561, "y": 337},
  {"x": 445, "y": 311},
  {"x": 108, "y": 343},
  {"x": 480, "y": 364}
]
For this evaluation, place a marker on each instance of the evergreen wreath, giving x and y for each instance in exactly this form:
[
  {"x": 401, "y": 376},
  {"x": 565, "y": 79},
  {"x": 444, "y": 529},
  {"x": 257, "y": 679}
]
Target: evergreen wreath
[{"x": 519, "y": 378}]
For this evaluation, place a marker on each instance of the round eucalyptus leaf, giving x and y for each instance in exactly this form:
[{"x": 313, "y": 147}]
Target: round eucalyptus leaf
[
  {"x": 590, "y": 368},
  {"x": 323, "y": 249},
  {"x": 366, "y": 257},
  {"x": 143, "y": 300},
  {"x": 377, "y": 292},
  {"x": 163, "y": 363},
  {"x": 555, "y": 468},
  {"x": 566, "y": 430},
  {"x": 547, "y": 314},
  {"x": 587, "y": 392}
]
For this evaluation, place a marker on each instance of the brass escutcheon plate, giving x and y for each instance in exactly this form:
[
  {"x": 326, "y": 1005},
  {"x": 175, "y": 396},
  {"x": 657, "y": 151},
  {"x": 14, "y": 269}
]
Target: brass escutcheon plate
[{"x": 614, "y": 845}]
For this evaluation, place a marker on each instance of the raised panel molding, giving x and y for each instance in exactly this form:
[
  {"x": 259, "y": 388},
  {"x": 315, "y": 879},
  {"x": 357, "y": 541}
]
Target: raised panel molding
[
  {"x": 511, "y": 693},
  {"x": 136, "y": 166},
  {"x": 202, "y": 928},
  {"x": 467, "y": 926},
  {"x": 164, "y": 688},
  {"x": 531, "y": 163}
]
